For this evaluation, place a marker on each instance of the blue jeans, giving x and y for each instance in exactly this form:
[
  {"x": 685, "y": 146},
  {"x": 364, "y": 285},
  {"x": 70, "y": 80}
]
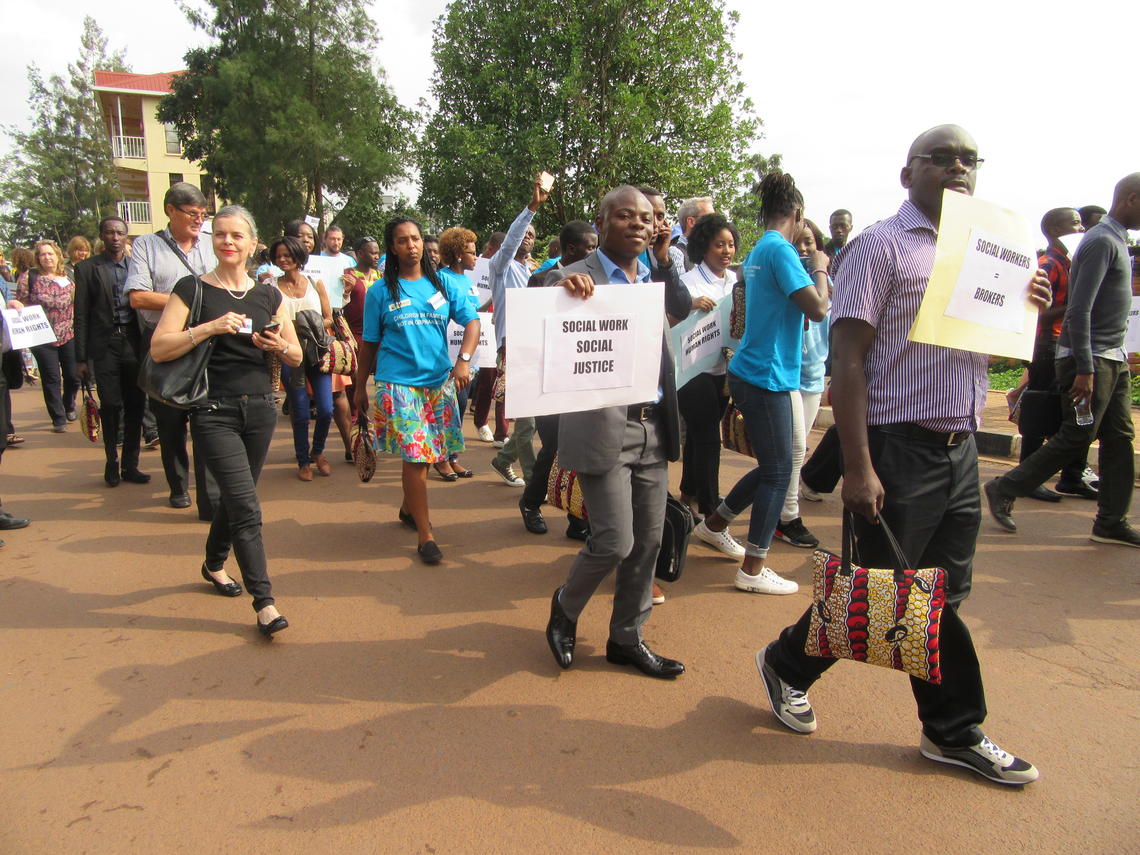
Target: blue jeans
[
  {"x": 768, "y": 419},
  {"x": 299, "y": 403}
]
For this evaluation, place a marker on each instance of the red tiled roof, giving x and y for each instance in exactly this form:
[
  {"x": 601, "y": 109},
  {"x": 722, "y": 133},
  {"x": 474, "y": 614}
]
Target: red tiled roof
[{"x": 135, "y": 82}]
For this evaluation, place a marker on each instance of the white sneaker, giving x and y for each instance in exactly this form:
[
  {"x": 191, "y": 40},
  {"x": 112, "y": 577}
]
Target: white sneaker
[
  {"x": 498, "y": 443},
  {"x": 808, "y": 494},
  {"x": 765, "y": 582},
  {"x": 486, "y": 434},
  {"x": 720, "y": 540}
]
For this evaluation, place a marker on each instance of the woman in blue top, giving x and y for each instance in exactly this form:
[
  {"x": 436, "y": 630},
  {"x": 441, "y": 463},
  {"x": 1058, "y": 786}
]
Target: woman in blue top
[
  {"x": 405, "y": 323},
  {"x": 779, "y": 292}
]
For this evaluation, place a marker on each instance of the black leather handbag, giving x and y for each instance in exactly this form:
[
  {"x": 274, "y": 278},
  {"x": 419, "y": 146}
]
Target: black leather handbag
[{"x": 181, "y": 383}]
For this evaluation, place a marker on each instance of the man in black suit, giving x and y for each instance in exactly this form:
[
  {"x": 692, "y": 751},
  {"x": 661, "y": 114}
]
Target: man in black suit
[{"x": 107, "y": 345}]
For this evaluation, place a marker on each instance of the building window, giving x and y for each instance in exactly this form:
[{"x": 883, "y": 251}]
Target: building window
[
  {"x": 175, "y": 177},
  {"x": 173, "y": 146}
]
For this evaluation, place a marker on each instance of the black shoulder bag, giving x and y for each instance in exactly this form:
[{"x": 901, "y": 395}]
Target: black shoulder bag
[{"x": 181, "y": 383}]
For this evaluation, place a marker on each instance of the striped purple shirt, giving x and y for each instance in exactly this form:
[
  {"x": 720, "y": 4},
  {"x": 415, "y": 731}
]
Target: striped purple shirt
[{"x": 882, "y": 280}]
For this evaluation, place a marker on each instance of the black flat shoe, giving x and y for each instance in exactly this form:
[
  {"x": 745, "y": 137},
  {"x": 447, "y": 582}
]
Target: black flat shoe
[
  {"x": 226, "y": 589},
  {"x": 111, "y": 474},
  {"x": 135, "y": 477},
  {"x": 445, "y": 476},
  {"x": 407, "y": 519},
  {"x": 274, "y": 626},
  {"x": 643, "y": 659},
  {"x": 466, "y": 473},
  {"x": 430, "y": 553},
  {"x": 180, "y": 500}
]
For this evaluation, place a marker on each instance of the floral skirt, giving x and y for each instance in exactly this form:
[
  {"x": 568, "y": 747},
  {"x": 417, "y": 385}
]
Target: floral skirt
[{"x": 420, "y": 423}]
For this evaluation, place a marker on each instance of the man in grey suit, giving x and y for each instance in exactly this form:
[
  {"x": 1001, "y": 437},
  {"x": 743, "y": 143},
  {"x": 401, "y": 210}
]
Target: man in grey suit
[{"x": 620, "y": 455}]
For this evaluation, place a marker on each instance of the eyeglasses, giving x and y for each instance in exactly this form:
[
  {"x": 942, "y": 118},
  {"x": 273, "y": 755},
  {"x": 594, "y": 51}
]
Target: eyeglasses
[
  {"x": 943, "y": 159},
  {"x": 196, "y": 216}
]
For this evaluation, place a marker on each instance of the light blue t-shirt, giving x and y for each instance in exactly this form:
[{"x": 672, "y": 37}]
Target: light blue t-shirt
[
  {"x": 412, "y": 330},
  {"x": 546, "y": 265},
  {"x": 815, "y": 356},
  {"x": 771, "y": 349},
  {"x": 464, "y": 283}
]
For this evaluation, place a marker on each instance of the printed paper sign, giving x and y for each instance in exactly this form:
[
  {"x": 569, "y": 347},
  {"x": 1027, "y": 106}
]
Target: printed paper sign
[
  {"x": 1132, "y": 336},
  {"x": 484, "y": 356},
  {"x": 992, "y": 283},
  {"x": 28, "y": 328},
  {"x": 481, "y": 276},
  {"x": 698, "y": 341},
  {"x": 328, "y": 270},
  {"x": 566, "y": 354},
  {"x": 977, "y": 296},
  {"x": 312, "y": 221},
  {"x": 588, "y": 352}
]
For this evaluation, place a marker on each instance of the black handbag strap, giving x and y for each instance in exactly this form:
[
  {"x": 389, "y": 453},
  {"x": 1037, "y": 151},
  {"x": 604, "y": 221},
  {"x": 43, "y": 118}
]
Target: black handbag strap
[
  {"x": 196, "y": 308},
  {"x": 849, "y": 547},
  {"x": 177, "y": 250}
]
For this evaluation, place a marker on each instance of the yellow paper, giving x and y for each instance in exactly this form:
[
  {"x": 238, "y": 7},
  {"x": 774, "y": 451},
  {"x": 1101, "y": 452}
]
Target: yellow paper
[{"x": 977, "y": 297}]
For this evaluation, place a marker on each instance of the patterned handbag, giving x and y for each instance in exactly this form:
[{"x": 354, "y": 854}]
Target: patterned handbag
[
  {"x": 889, "y": 618},
  {"x": 736, "y": 315},
  {"x": 733, "y": 433},
  {"x": 363, "y": 447},
  {"x": 564, "y": 492},
  {"x": 499, "y": 389},
  {"x": 340, "y": 358},
  {"x": 89, "y": 418}
]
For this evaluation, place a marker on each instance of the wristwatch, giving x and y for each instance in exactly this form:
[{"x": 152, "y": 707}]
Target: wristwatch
[{"x": 466, "y": 357}]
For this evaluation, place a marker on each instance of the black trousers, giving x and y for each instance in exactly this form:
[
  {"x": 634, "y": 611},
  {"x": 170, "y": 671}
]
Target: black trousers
[
  {"x": 702, "y": 402},
  {"x": 121, "y": 401},
  {"x": 54, "y": 361},
  {"x": 233, "y": 440},
  {"x": 822, "y": 471},
  {"x": 935, "y": 517},
  {"x": 1043, "y": 378},
  {"x": 535, "y": 492},
  {"x": 173, "y": 425}
]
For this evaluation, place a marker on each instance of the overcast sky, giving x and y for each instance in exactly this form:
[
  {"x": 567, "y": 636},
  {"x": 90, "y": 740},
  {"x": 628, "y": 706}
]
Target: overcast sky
[{"x": 1048, "y": 91}]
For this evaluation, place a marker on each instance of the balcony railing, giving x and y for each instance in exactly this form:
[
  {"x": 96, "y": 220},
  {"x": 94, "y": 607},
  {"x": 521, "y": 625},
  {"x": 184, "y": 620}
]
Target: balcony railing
[
  {"x": 131, "y": 147},
  {"x": 135, "y": 212}
]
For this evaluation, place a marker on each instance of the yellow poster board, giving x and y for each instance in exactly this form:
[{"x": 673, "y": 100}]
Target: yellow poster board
[{"x": 977, "y": 297}]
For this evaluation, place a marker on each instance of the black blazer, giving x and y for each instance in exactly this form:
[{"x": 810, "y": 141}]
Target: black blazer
[{"x": 95, "y": 309}]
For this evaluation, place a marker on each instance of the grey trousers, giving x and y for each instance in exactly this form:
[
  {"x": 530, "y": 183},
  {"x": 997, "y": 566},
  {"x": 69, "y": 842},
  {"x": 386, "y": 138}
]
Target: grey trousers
[{"x": 627, "y": 513}]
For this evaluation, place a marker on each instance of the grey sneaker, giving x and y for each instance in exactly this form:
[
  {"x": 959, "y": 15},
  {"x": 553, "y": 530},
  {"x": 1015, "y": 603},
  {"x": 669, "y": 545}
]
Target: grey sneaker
[
  {"x": 985, "y": 758},
  {"x": 507, "y": 473},
  {"x": 789, "y": 705}
]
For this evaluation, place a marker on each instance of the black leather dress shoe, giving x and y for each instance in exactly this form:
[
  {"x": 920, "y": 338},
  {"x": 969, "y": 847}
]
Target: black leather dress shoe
[
  {"x": 135, "y": 477},
  {"x": 111, "y": 473},
  {"x": 1044, "y": 494},
  {"x": 560, "y": 633},
  {"x": 226, "y": 589},
  {"x": 1081, "y": 490},
  {"x": 179, "y": 500},
  {"x": 577, "y": 529},
  {"x": 532, "y": 519},
  {"x": 10, "y": 523},
  {"x": 643, "y": 659}
]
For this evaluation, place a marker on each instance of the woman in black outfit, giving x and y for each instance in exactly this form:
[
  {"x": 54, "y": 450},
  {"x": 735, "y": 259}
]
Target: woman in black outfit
[{"x": 234, "y": 431}]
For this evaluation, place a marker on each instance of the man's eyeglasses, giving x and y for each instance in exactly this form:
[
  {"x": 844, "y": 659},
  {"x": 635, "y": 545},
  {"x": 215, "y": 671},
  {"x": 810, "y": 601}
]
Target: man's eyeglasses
[
  {"x": 943, "y": 159},
  {"x": 196, "y": 216}
]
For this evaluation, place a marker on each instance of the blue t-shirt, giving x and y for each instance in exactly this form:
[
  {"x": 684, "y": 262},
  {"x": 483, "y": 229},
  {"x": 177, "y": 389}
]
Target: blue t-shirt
[
  {"x": 546, "y": 265},
  {"x": 412, "y": 330},
  {"x": 771, "y": 348},
  {"x": 812, "y": 372},
  {"x": 464, "y": 283}
]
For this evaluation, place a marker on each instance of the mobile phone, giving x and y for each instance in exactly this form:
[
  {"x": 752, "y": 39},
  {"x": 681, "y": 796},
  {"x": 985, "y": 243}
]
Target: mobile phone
[
  {"x": 545, "y": 181},
  {"x": 272, "y": 326}
]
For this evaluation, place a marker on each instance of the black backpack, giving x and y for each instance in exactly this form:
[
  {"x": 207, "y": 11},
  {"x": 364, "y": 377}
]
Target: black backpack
[{"x": 674, "y": 540}]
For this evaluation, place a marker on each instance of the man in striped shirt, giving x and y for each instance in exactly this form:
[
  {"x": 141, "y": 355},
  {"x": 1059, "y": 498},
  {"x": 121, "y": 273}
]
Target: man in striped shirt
[{"x": 906, "y": 414}]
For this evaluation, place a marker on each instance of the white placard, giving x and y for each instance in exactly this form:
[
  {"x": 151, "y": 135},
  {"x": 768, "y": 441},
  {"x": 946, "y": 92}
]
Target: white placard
[
  {"x": 28, "y": 328},
  {"x": 597, "y": 349},
  {"x": 1071, "y": 242},
  {"x": 543, "y": 371},
  {"x": 484, "y": 356},
  {"x": 328, "y": 269},
  {"x": 312, "y": 221},
  {"x": 992, "y": 284},
  {"x": 481, "y": 277},
  {"x": 1132, "y": 336},
  {"x": 699, "y": 340}
]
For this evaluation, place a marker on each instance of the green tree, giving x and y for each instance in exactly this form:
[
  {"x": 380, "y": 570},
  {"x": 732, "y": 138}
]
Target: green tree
[
  {"x": 286, "y": 106},
  {"x": 59, "y": 179},
  {"x": 597, "y": 92},
  {"x": 744, "y": 208},
  {"x": 365, "y": 215}
]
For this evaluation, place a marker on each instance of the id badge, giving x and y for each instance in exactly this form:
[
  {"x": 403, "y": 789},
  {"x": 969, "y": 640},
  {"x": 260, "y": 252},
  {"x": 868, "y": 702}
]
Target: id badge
[
  {"x": 436, "y": 300},
  {"x": 246, "y": 327}
]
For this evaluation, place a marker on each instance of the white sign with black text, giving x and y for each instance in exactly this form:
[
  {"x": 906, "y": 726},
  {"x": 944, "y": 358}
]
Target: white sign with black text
[
  {"x": 28, "y": 327},
  {"x": 484, "y": 356}
]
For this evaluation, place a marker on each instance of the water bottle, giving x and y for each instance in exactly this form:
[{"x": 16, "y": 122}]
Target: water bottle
[{"x": 1084, "y": 412}]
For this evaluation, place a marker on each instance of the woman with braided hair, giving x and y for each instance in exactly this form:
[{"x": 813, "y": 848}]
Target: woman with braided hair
[{"x": 779, "y": 293}]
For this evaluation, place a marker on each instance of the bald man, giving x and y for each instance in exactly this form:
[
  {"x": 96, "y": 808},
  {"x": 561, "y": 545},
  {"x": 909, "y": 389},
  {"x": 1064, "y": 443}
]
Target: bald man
[
  {"x": 1093, "y": 367},
  {"x": 906, "y": 414}
]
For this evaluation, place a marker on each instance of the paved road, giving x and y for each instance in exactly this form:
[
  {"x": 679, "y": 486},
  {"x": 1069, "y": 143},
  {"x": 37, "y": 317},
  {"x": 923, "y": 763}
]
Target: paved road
[{"x": 412, "y": 709}]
